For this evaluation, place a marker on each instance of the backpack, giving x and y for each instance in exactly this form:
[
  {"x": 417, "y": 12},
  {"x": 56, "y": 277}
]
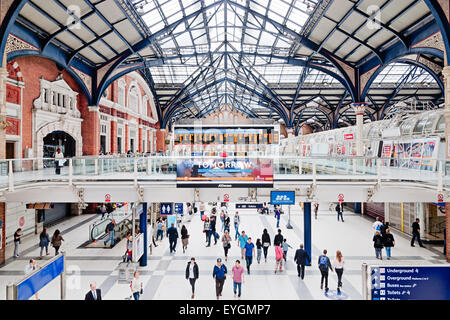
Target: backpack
[
  {"x": 378, "y": 242},
  {"x": 323, "y": 263}
]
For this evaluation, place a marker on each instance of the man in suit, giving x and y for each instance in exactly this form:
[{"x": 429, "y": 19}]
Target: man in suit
[
  {"x": 340, "y": 210},
  {"x": 94, "y": 293},
  {"x": 172, "y": 233},
  {"x": 300, "y": 259}
]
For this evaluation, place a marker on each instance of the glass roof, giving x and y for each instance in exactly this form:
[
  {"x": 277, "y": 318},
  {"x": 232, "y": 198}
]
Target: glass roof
[{"x": 396, "y": 73}]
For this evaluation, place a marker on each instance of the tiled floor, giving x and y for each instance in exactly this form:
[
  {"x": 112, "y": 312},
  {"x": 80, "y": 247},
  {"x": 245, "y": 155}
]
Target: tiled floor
[{"x": 163, "y": 278}]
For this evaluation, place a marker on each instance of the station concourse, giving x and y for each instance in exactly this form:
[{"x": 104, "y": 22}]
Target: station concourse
[{"x": 121, "y": 118}]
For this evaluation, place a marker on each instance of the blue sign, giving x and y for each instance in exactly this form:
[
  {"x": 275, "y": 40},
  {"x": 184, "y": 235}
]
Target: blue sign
[
  {"x": 166, "y": 208},
  {"x": 249, "y": 205},
  {"x": 282, "y": 197},
  {"x": 410, "y": 283},
  {"x": 179, "y": 208},
  {"x": 40, "y": 279}
]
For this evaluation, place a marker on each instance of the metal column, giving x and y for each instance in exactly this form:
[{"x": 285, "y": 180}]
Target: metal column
[
  {"x": 307, "y": 228},
  {"x": 143, "y": 228}
]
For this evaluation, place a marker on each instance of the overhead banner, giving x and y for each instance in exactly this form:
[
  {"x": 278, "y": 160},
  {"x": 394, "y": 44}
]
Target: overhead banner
[
  {"x": 225, "y": 172},
  {"x": 282, "y": 197}
]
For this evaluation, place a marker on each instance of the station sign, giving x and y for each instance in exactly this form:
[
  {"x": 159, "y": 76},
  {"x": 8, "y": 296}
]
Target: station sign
[
  {"x": 166, "y": 208},
  {"x": 348, "y": 136},
  {"x": 340, "y": 197},
  {"x": 282, "y": 197},
  {"x": 179, "y": 208},
  {"x": 249, "y": 205},
  {"x": 410, "y": 282}
]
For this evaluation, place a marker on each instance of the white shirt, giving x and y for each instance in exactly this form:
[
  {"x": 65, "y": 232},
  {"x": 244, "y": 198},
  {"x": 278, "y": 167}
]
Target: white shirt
[
  {"x": 29, "y": 269},
  {"x": 191, "y": 271},
  {"x": 59, "y": 155},
  {"x": 135, "y": 285},
  {"x": 338, "y": 265},
  {"x": 94, "y": 294},
  {"x": 375, "y": 225}
]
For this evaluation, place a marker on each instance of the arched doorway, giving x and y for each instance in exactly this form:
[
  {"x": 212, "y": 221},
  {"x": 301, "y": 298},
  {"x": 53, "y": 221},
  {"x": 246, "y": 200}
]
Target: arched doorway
[{"x": 59, "y": 139}]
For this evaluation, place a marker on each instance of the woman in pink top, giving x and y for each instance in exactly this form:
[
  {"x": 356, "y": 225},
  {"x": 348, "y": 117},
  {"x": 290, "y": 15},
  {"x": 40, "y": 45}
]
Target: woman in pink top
[
  {"x": 238, "y": 278},
  {"x": 279, "y": 257}
]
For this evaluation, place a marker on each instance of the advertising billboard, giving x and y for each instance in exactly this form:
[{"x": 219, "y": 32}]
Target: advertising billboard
[
  {"x": 225, "y": 172},
  {"x": 282, "y": 197}
]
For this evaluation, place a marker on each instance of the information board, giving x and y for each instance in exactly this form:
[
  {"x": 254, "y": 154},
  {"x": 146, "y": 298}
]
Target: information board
[
  {"x": 410, "y": 282},
  {"x": 138, "y": 247},
  {"x": 40, "y": 279},
  {"x": 166, "y": 208},
  {"x": 249, "y": 205},
  {"x": 282, "y": 197},
  {"x": 179, "y": 208}
]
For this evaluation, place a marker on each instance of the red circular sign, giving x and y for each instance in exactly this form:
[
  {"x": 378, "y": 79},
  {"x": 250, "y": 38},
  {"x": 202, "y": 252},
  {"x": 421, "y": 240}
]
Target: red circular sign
[
  {"x": 440, "y": 197},
  {"x": 21, "y": 221},
  {"x": 341, "y": 197},
  {"x": 107, "y": 197},
  {"x": 226, "y": 197}
]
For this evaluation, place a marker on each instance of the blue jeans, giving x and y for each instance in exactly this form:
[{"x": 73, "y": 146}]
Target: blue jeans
[
  {"x": 158, "y": 233},
  {"x": 258, "y": 257},
  {"x": 388, "y": 251},
  {"x": 278, "y": 222},
  {"x": 136, "y": 295},
  {"x": 378, "y": 252},
  {"x": 110, "y": 238},
  {"x": 249, "y": 260},
  {"x": 212, "y": 233},
  {"x": 236, "y": 227},
  {"x": 237, "y": 285}
]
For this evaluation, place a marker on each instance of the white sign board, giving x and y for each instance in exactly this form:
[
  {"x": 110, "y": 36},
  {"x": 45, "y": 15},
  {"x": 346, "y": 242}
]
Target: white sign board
[{"x": 138, "y": 247}]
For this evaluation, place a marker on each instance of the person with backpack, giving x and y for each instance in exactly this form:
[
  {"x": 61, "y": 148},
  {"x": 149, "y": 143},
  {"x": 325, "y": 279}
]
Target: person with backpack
[
  {"x": 324, "y": 265},
  {"x": 226, "y": 241},
  {"x": 184, "y": 237},
  {"x": 258, "y": 250},
  {"x": 249, "y": 251},
  {"x": 278, "y": 238},
  {"x": 219, "y": 274},
  {"x": 378, "y": 244},
  {"x": 338, "y": 264},
  {"x": 265, "y": 238},
  {"x": 110, "y": 233},
  {"x": 376, "y": 226},
  {"x": 44, "y": 241},
  {"x": 192, "y": 274},
  {"x": 243, "y": 238},
  {"x": 206, "y": 228},
  {"x": 340, "y": 211},
  {"x": 57, "y": 241},
  {"x": 237, "y": 221},
  {"x": 316, "y": 209},
  {"x": 300, "y": 259},
  {"x": 388, "y": 242},
  {"x": 279, "y": 257}
]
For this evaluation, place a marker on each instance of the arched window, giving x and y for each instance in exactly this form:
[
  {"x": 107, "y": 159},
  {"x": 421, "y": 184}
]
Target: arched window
[
  {"x": 121, "y": 92},
  {"x": 133, "y": 99}
]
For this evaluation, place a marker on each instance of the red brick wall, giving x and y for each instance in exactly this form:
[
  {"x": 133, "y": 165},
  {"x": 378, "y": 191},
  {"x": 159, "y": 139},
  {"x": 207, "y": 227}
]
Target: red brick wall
[
  {"x": 32, "y": 69},
  {"x": 160, "y": 141},
  {"x": 2, "y": 218},
  {"x": 140, "y": 140},
  {"x": 90, "y": 131},
  {"x": 113, "y": 137},
  {"x": 126, "y": 139}
]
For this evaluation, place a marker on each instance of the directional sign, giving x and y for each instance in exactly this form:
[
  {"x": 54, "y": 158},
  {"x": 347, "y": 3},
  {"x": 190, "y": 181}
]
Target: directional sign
[
  {"x": 179, "y": 208},
  {"x": 282, "y": 197},
  {"x": 166, "y": 208},
  {"x": 410, "y": 283}
]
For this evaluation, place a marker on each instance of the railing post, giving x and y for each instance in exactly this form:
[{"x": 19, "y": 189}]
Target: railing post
[
  {"x": 70, "y": 171},
  {"x": 63, "y": 283},
  {"x": 10, "y": 291},
  {"x": 135, "y": 172},
  {"x": 440, "y": 176},
  {"x": 96, "y": 167},
  {"x": 300, "y": 165},
  {"x": 354, "y": 165},
  {"x": 365, "y": 288},
  {"x": 149, "y": 166},
  {"x": 314, "y": 171},
  {"x": 10, "y": 175}
]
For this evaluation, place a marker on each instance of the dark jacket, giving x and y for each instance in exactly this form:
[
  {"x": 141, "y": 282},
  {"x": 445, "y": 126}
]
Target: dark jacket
[
  {"x": 416, "y": 227},
  {"x": 89, "y": 295},
  {"x": 212, "y": 225},
  {"x": 301, "y": 256},
  {"x": 328, "y": 263},
  {"x": 278, "y": 239},
  {"x": 388, "y": 240},
  {"x": 220, "y": 272},
  {"x": 172, "y": 233},
  {"x": 195, "y": 270},
  {"x": 377, "y": 241},
  {"x": 265, "y": 238},
  {"x": 184, "y": 233}
]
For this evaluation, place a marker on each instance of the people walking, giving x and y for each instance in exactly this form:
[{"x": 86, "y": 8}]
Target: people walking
[
  {"x": 17, "y": 240},
  {"x": 237, "y": 221},
  {"x": 338, "y": 264},
  {"x": 136, "y": 286},
  {"x": 376, "y": 226},
  {"x": 249, "y": 251},
  {"x": 238, "y": 278},
  {"x": 192, "y": 274},
  {"x": 226, "y": 242},
  {"x": 94, "y": 293},
  {"x": 324, "y": 265},
  {"x": 278, "y": 257},
  {"x": 172, "y": 233},
  {"x": 258, "y": 250},
  {"x": 300, "y": 259},
  {"x": 219, "y": 274},
  {"x": 57, "y": 241},
  {"x": 184, "y": 237},
  {"x": 226, "y": 222},
  {"x": 278, "y": 238},
  {"x": 340, "y": 211},
  {"x": 378, "y": 244},
  {"x": 159, "y": 230},
  {"x": 416, "y": 233},
  {"x": 265, "y": 238},
  {"x": 222, "y": 218},
  {"x": 59, "y": 161},
  {"x": 44, "y": 241},
  {"x": 212, "y": 231},
  {"x": 242, "y": 242},
  {"x": 277, "y": 215},
  {"x": 206, "y": 228},
  {"x": 103, "y": 210},
  {"x": 388, "y": 242},
  {"x": 285, "y": 246},
  {"x": 110, "y": 233},
  {"x": 316, "y": 209}
]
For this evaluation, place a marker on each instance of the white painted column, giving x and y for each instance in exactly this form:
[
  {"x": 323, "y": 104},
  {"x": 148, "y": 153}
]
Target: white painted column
[{"x": 359, "y": 111}]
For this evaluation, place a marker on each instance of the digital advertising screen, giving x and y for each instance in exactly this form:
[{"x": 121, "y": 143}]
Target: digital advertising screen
[{"x": 225, "y": 172}]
